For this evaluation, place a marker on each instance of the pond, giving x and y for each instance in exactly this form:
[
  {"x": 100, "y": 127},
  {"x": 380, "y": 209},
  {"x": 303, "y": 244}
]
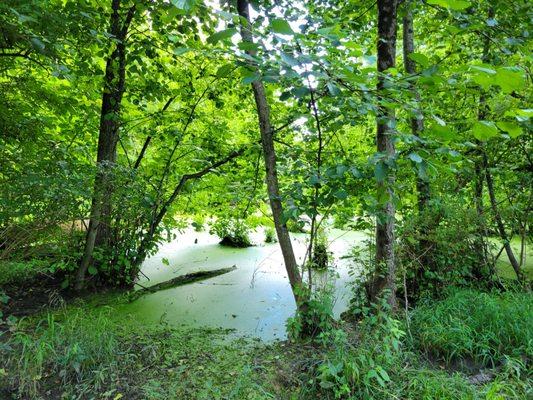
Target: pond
[{"x": 255, "y": 299}]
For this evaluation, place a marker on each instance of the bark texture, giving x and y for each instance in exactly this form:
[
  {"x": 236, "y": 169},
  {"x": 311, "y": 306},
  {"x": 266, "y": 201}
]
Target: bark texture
[
  {"x": 417, "y": 127},
  {"x": 269, "y": 153},
  {"x": 385, "y": 259},
  {"x": 99, "y": 231}
]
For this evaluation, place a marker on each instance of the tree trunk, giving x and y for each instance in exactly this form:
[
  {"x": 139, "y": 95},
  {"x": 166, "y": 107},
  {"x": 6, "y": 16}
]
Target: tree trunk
[
  {"x": 269, "y": 153},
  {"x": 417, "y": 126},
  {"x": 385, "y": 259},
  {"x": 417, "y": 122},
  {"x": 99, "y": 231},
  {"x": 499, "y": 221}
]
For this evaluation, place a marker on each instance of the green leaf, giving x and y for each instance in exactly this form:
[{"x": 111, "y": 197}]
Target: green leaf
[
  {"x": 415, "y": 157},
  {"x": 222, "y": 35},
  {"x": 341, "y": 194},
  {"x": 92, "y": 270},
  {"x": 180, "y": 50},
  {"x": 249, "y": 76},
  {"x": 37, "y": 44},
  {"x": 420, "y": 59},
  {"x": 185, "y": 5},
  {"x": 509, "y": 79},
  {"x": 483, "y": 130},
  {"x": 279, "y": 25},
  {"x": 333, "y": 89},
  {"x": 224, "y": 70},
  {"x": 514, "y": 130},
  {"x": 288, "y": 59},
  {"x": 443, "y": 132},
  {"x": 247, "y": 46},
  {"x": 380, "y": 172},
  {"x": 456, "y": 5}
]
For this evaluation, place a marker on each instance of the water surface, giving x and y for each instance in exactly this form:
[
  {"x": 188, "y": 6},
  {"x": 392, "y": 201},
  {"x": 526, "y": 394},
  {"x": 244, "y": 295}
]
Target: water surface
[{"x": 255, "y": 299}]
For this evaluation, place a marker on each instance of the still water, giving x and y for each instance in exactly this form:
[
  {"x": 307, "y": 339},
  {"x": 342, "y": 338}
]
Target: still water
[{"x": 255, "y": 299}]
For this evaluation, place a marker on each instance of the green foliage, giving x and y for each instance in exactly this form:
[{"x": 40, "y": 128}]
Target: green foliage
[
  {"x": 470, "y": 325},
  {"x": 18, "y": 272},
  {"x": 315, "y": 320},
  {"x": 270, "y": 235},
  {"x": 320, "y": 255},
  {"x": 82, "y": 349},
  {"x": 232, "y": 232},
  {"x": 361, "y": 370},
  {"x": 198, "y": 222},
  {"x": 441, "y": 248}
]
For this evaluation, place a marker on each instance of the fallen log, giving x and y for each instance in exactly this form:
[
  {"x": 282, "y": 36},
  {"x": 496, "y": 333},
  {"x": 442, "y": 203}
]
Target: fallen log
[{"x": 179, "y": 281}]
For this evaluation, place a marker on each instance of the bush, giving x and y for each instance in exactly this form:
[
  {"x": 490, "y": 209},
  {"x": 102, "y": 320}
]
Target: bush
[
  {"x": 198, "y": 223},
  {"x": 232, "y": 232},
  {"x": 441, "y": 248},
  {"x": 363, "y": 369},
  {"x": 484, "y": 327},
  {"x": 320, "y": 257},
  {"x": 270, "y": 235},
  {"x": 296, "y": 226}
]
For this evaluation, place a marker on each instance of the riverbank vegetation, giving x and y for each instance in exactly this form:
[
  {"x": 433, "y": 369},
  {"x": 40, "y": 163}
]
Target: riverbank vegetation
[{"x": 127, "y": 124}]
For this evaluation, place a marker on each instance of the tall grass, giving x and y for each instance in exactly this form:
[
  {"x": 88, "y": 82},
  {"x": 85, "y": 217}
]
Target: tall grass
[
  {"x": 483, "y": 327},
  {"x": 81, "y": 348}
]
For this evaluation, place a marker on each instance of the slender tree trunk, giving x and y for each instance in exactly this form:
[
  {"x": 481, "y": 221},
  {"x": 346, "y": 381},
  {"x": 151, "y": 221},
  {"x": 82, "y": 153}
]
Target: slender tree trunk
[
  {"x": 481, "y": 173},
  {"x": 417, "y": 126},
  {"x": 417, "y": 122},
  {"x": 385, "y": 259},
  {"x": 499, "y": 221},
  {"x": 99, "y": 231},
  {"x": 269, "y": 153}
]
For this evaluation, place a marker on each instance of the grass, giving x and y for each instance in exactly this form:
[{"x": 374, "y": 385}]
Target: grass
[
  {"x": 84, "y": 351},
  {"x": 471, "y": 325},
  {"x": 93, "y": 353}
]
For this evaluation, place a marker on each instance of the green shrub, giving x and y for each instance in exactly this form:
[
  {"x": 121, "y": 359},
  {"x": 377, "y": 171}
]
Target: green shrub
[
  {"x": 484, "y": 327},
  {"x": 232, "y": 232},
  {"x": 296, "y": 226},
  {"x": 270, "y": 235},
  {"x": 198, "y": 223},
  {"x": 17, "y": 272},
  {"x": 320, "y": 257},
  {"x": 363, "y": 369},
  {"x": 441, "y": 248}
]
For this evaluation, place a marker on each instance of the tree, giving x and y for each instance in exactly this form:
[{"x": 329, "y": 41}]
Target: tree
[
  {"x": 269, "y": 154},
  {"x": 386, "y": 58},
  {"x": 99, "y": 231}
]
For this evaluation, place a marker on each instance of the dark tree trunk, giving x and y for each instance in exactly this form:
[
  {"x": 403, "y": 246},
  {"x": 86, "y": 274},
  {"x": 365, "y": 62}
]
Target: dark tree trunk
[
  {"x": 99, "y": 231},
  {"x": 385, "y": 259},
  {"x": 269, "y": 153},
  {"x": 417, "y": 126}
]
